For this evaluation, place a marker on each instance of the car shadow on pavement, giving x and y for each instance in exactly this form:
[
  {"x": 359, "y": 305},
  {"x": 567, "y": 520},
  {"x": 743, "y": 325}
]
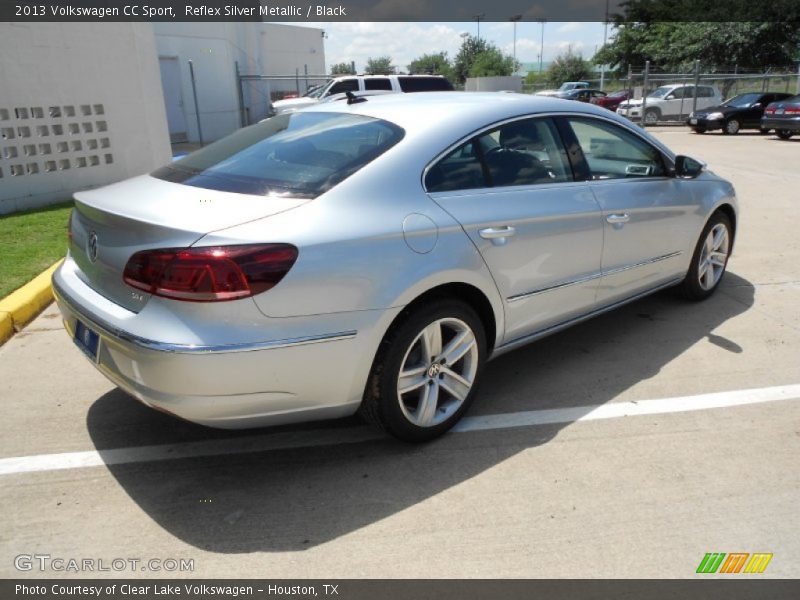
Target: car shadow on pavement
[{"x": 293, "y": 499}]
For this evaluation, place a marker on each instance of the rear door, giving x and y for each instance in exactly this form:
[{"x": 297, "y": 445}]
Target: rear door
[
  {"x": 646, "y": 213},
  {"x": 539, "y": 231}
]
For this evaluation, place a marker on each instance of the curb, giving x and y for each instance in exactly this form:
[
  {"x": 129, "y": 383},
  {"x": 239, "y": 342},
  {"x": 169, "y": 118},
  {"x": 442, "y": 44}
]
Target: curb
[{"x": 20, "y": 307}]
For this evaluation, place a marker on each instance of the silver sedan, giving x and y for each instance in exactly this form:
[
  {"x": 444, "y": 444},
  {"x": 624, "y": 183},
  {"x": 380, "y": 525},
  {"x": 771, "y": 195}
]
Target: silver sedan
[{"x": 370, "y": 256}]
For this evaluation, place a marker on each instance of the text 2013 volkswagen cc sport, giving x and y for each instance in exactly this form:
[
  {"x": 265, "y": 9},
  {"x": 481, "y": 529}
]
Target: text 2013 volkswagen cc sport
[{"x": 371, "y": 256}]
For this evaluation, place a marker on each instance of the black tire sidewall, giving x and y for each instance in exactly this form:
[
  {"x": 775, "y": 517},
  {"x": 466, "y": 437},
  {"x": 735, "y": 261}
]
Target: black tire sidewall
[{"x": 391, "y": 414}]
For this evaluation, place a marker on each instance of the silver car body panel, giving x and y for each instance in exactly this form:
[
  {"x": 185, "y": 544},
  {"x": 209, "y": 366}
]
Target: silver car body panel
[{"x": 369, "y": 247}]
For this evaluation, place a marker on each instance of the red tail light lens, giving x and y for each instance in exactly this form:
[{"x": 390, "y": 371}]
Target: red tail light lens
[
  {"x": 210, "y": 274},
  {"x": 792, "y": 110},
  {"x": 769, "y": 110}
]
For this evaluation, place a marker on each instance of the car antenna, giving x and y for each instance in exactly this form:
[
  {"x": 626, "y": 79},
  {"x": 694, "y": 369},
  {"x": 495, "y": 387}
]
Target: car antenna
[{"x": 353, "y": 99}]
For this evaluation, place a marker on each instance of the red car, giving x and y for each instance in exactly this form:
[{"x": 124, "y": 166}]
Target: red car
[{"x": 612, "y": 100}]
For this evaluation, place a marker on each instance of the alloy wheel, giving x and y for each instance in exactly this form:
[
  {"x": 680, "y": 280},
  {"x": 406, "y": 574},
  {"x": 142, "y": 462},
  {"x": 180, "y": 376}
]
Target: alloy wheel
[
  {"x": 437, "y": 372},
  {"x": 732, "y": 126},
  {"x": 713, "y": 257}
]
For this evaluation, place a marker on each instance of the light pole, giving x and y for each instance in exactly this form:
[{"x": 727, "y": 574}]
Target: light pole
[
  {"x": 478, "y": 19},
  {"x": 515, "y": 19},
  {"x": 541, "y": 47},
  {"x": 605, "y": 35}
]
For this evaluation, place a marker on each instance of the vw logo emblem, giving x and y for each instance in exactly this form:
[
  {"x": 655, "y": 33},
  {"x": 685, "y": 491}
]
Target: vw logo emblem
[
  {"x": 91, "y": 247},
  {"x": 434, "y": 370}
]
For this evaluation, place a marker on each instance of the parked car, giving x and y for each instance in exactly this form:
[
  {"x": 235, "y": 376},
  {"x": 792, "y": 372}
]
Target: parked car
[
  {"x": 583, "y": 95},
  {"x": 670, "y": 102},
  {"x": 371, "y": 257},
  {"x": 612, "y": 101},
  {"x": 567, "y": 86},
  {"x": 366, "y": 83},
  {"x": 783, "y": 116},
  {"x": 740, "y": 112}
]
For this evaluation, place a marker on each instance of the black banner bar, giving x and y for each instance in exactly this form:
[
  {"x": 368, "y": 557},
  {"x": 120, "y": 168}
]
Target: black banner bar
[
  {"x": 397, "y": 10},
  {"x": 736, "y": 587}
]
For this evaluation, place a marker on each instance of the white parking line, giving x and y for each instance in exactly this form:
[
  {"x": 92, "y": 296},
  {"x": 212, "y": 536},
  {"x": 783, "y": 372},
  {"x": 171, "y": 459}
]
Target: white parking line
[{"x": 329, "y": 437}]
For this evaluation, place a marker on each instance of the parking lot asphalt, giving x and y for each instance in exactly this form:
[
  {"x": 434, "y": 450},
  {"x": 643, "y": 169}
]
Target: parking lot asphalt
[{"x": 593, "y": 477}]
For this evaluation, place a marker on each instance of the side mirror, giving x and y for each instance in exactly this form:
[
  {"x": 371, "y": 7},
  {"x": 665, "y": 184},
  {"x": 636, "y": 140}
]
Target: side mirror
[
  {"x": 687, "y": 167},
  {"x": 757, "y": 105},
  {"x": 670, "y": 97}
]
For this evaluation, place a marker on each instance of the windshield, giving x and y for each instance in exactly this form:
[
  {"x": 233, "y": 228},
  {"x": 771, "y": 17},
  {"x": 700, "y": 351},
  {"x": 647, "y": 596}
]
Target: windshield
[
  {"x": 301, "y": 155},
  {"x": 620, "y": 94},
  {"x": 742, "y": 100},
  {"x": 660, "y": 92},
  {"x": 315, "y": 91}
]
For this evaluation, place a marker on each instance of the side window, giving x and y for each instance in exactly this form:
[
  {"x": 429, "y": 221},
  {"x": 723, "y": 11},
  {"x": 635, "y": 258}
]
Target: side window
[
  {"x": 525, "y": 152},
  {"x": 377, "y": 83},
  {"x": 705, "y": 92},
  {"x": 613, "y": 153},
  {"x": 460, "y": 170},
  {"x": 424, "y": 84},
  {"x": 345, "y": 85}
]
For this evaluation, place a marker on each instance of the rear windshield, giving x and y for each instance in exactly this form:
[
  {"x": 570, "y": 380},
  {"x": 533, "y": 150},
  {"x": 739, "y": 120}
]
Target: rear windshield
[{"x": 297, "y": 154}]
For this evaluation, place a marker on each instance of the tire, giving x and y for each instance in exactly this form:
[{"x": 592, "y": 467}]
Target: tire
[
  {"x": 698, "y": 130},
  {"x": 698, "y": 283},
  {"x": 731, "y": 127},
  {"x": 651, "y": 116},
  {"x": 405, "y": 414},
  {"x": 784, "y": 134}
]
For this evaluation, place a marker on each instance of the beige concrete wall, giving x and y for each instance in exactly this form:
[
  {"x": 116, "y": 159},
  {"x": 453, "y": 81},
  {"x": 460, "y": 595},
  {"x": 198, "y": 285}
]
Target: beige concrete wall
[{"x": 80, "y": 106}]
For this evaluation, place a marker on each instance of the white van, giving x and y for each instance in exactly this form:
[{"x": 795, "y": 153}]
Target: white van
[{"x": 366, "y": 83}]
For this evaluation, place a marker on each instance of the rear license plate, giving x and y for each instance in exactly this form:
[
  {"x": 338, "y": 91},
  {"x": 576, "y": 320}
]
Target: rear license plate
[
  {"x": 693, "y": 121},
  {"x": 87, "y": 340},
  {"x": 779, "y": 111}
]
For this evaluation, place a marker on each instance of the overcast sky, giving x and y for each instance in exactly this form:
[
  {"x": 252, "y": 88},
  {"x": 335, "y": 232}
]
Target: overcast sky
[{"x": 406, "y": 41}]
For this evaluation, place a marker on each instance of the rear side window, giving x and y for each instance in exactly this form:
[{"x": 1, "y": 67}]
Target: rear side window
[
  {"x": 299, "y": 154},
  {"x": 613, "y": 153},
  {"x": 378, "y": 83},
  {"x": 526, "y": 152},
  {"x": 705, "y": 92},
  {"x": 345, "y": 85},
  {"x": 425, "y": 84}
]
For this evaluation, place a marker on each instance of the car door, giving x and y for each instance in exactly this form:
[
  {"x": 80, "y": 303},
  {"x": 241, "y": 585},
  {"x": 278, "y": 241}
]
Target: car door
[
  {"x": 647, "y": 213},
  {"x": 539, "y": 231}
]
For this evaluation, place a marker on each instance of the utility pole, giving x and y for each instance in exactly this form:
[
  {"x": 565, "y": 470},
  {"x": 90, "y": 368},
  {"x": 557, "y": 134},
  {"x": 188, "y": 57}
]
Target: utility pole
[
  {"x": 478, "y": 19},
  {"x": 541, "y": 47},
  {"x": 515, "y": 19}
]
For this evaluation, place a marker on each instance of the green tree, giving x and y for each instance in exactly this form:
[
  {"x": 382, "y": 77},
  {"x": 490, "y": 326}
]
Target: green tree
[
  {"x": 379, "y": 66},
  {"x": 492, "y": 63},
  {"x": 471, "y": 47},
  {"x": 432, "y": 64},
  {"x": 342, "y": 69},
  {"x": 568, "y": 66}
]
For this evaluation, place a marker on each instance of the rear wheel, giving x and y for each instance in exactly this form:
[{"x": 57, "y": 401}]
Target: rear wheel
[
  {"x": 732, "y": 127},
  {"x": 426, "y": 371},
  {"x": 710, "y": 258},
  {"x": 784, "y": 134}
]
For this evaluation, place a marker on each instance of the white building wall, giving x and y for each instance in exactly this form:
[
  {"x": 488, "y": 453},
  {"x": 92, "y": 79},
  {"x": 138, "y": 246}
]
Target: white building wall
[
  {"x": 216, "y": 48},
  {"x": 80, "y": 106}
]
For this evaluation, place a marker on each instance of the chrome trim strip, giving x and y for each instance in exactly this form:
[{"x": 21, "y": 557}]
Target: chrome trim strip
[
  {"x": 593, "y": 276},
  {"x": 514, "y": 344},
  {"x": 109, "y": 331}
]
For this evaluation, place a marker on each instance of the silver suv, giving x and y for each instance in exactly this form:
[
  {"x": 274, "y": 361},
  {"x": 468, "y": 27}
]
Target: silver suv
[{"x": 670, "y": 102}]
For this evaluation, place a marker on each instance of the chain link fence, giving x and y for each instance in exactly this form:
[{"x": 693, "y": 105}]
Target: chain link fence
[{"x": 258, "y": 92}]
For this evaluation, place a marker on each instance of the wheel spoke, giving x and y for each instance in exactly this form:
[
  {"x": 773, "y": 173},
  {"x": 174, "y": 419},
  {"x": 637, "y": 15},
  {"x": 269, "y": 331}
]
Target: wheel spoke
[
  {"x": 428, "y": 401},
  {"x": 703, "y": 268},
  {"x": 458, "y": 347},
  {"x": 719, "y": 238},
  {"x": 411, "y": 379},
  {"x": 431, "y": 342},
  {"x": 709, "y": 278},
  {"x": 454, "y": 384}
]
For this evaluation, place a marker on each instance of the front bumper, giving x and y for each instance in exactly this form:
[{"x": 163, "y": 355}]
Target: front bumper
[
  {"x": 789, "y": 124},
  {"x": 231, "y": 386},
  {"x": 634, "y": 112},
  {"x": 703, "y": 123}
]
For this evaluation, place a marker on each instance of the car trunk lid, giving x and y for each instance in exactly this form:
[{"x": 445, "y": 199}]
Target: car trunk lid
[{"x": 112, "y": 223}]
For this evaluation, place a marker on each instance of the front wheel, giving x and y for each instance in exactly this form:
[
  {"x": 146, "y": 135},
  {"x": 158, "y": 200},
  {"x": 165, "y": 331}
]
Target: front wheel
[
  {"x": 710, "y": 258},
  {"x": 651, "y": 116},
  {"x": 426, "y": 371},
  {"x": 732, "y": 127},
  {"x": 784, "y": 134}
]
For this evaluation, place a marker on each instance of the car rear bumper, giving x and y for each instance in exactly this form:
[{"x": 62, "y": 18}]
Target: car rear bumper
[
  {"x": 234, "y": 385},
  {"x": 790, "y": 124}
]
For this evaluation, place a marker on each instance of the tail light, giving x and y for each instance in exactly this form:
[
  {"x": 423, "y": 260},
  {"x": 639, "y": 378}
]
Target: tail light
[
  {"x": 770, "y": 110},
  {"x": 210, "y": 274},
  {"x": 792, "y": 110}
]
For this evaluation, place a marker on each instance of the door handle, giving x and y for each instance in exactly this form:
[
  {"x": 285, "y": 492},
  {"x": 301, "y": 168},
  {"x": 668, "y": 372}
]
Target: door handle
[
  {"x": 618, "y": 218},
  {"x": 493, "y": 233}
]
